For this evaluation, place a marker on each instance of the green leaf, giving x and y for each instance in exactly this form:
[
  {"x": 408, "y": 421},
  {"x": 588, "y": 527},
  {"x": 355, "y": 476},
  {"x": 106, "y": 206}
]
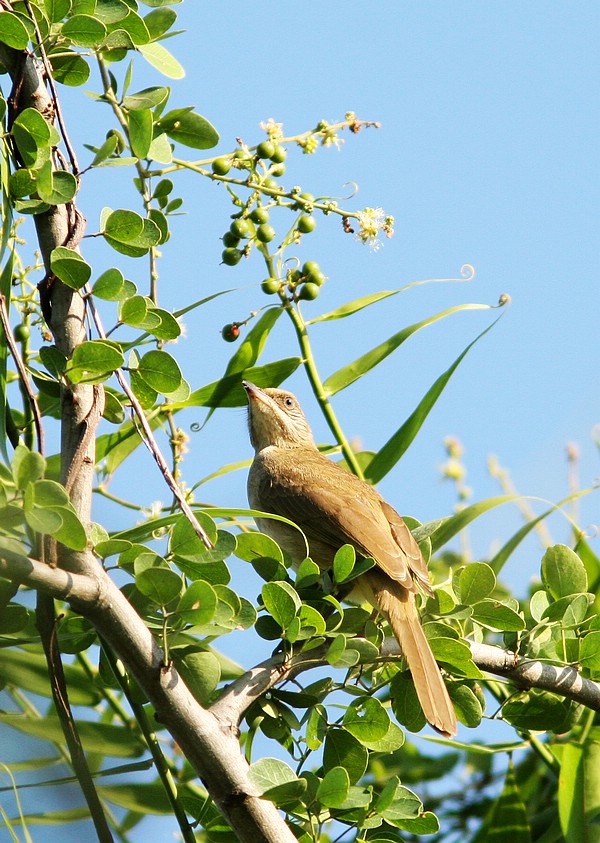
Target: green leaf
[
  {"x": 281, "y": 602},
  {"x": 185, "y": 542},
  {"x": 13, "y": 31},
  {"x": 366, "y": 720},
  {"x": 111, "y": 11},
  {"x": 129, "y": 233},
  {"x": 161, "y": 585},
  {"x": 307, "y": 574},
  {"x": 84, "y": 30},
  {"x": 353, "y": 371},
  {"x": 185, "y": 126},
  {"x": 497, "y": 615},
  {"x": 333, "y": 789},
  {"x": 32, "y": 135},
  {"x": 145, "y": 99},
  {"x": 70, "y": 267},
  {"x": 201, "y": 672},
  {"x": 254, "y": 545},
  {"x": 63, "y": 188},
  {"x": 160, "y": 371},
  {"x": 133, "y": 25},
  {"x": 29, "y": 672},
  {"x": 198, "y": 604},
  {"x": 589, "y": 653},
  {"x": 102, "y": 738},
  {"x": 450, "y": 527},
  {"x": 228, "y": 390},
  {"x": 160, "y": 58},
  {"x": 578, "y": 791},
  {"x": 405, "y": 703},
  {"x": 69, "y": 69},
  {"x": 536, "y": 710},
  {"x": 397, "y": 803},
  {"x": 570, "y": 610},
  {"x": 563, "y": 572},
  {"x": 387, "y": 456},
  {"x": 343, "y": 563},
  {"x": 456, "y": 654},
  {"x": 466, "y": 704},
  {"x": 27, "y": 466},
  {"x": 508, "y": 817},
  {"x": 56, "y": 10},
  {"x": 133, "y": 311},
  {"x": 342, "y": 749},
  {"x": 21, "y": 183},
  {"x": 139, "y": 123},
  {"x": 267, "y": 773},
  {"x": 159, "y": 21},
  {"x": 94, "y": 361},
  {"x": 13, "y": 618},
  {"x": 109, "y": 285},
  {"x": 476, "y": 581}
]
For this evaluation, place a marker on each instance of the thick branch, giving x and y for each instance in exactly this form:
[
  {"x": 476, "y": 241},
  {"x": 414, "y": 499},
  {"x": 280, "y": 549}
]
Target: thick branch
[
  {"x": 213, "y": 751},
  {"x": 527, "y": 673}
]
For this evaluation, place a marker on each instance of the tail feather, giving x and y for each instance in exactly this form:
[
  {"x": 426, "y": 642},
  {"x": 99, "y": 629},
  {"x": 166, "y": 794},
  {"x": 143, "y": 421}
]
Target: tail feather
[{"x": 398, "y": 605}]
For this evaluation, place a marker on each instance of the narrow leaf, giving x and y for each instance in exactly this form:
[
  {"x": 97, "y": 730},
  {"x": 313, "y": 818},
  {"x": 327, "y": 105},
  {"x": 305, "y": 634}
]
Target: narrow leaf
[{"x": 387, "y": 457}]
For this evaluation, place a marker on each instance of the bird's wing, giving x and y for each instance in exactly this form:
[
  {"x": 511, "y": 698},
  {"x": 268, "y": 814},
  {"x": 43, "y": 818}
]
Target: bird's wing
[{"x": 334, "y": 507}]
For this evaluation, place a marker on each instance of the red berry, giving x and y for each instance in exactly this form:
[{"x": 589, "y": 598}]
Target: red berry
[{"x": 231, "y": 332}]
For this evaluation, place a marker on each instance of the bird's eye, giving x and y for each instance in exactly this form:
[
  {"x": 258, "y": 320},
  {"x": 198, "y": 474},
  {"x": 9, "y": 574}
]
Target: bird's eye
[{"x": 289, "y": 402}]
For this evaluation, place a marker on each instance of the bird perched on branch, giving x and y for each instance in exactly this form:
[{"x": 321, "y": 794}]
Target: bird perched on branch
[{"x": 291, "y": 478}]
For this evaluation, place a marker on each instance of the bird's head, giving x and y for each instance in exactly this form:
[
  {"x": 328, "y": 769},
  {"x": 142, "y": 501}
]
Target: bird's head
[{"x": 275, "y": 418}]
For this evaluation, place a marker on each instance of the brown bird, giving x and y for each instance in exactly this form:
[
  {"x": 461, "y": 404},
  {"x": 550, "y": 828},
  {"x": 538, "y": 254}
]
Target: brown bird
[{"x": 291, "y": 478}]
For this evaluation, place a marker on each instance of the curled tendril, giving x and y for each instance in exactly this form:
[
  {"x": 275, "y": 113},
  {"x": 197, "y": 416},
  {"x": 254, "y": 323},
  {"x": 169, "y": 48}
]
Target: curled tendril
[
  {"x": 467, "y": 271},
  {"x": 196, "y": 427},
  {"x": 354, "y": 187},
  {"x": 591, "y": 532}
]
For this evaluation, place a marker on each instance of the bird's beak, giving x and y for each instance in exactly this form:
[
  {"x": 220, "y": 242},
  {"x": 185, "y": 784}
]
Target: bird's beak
[{"x": 253, "y": 392}]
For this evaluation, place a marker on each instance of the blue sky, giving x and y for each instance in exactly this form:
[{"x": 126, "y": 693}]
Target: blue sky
[{"x": 487, "y": 155}]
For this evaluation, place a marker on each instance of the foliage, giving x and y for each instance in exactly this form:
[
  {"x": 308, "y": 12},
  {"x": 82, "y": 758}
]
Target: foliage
[{"x": 350, "y": 763}]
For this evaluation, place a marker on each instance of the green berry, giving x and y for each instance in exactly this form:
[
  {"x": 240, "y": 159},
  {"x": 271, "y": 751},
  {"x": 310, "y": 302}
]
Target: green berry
[
  {"x": 230, "y": 239},
  {"x": 259, "y": 215},
  {"x": 231, "y": 256},
  {"x": 279, "y": 154},
  {"x": 271, "y": 184},
  {"x": 265, "y": 233},
  {"x": 221, "y": 166},
  {"x": 278, "y": 170},
  {"x": 270, "y": 286},
  {"x": 241, "y": 155},
  {"x": 240, "y": 228},
  {"x": 294, "y": 275},
  {"x": 310, "y": 267},
  {"x": 312, "y": 272},
  {"x": 22, "y": 333},
  {"x": 231, "y": 332},
  {"x": 306, "y": 223},
  {"x": 309, "y": 291},
  {"x": 265, "y": 149},
  {"x": 305, "y": 199}
]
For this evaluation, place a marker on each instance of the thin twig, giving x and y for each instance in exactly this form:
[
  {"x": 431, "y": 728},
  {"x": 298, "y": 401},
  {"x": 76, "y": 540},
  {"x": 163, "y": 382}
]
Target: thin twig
[
  {"x": 23, "y": 375},
  {"x": 150, "y": 439}
]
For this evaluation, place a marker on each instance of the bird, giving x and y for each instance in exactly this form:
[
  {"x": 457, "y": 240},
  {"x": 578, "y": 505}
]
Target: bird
[{"x": 290, "y": 477}]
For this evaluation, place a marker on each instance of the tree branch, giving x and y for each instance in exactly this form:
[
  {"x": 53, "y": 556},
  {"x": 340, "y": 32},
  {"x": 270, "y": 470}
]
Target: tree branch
[{"x": 527, "y": 673}]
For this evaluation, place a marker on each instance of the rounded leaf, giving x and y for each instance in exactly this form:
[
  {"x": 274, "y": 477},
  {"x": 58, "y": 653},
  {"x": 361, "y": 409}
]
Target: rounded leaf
[{"x": 159, "y": 584}]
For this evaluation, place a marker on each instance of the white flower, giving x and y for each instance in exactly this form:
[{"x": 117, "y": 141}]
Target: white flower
[{"x": 372, "y": 221}]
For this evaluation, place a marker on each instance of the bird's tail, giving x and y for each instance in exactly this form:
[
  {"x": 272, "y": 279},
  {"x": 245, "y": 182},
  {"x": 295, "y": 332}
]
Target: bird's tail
[{"x": 398, "y": 605}]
